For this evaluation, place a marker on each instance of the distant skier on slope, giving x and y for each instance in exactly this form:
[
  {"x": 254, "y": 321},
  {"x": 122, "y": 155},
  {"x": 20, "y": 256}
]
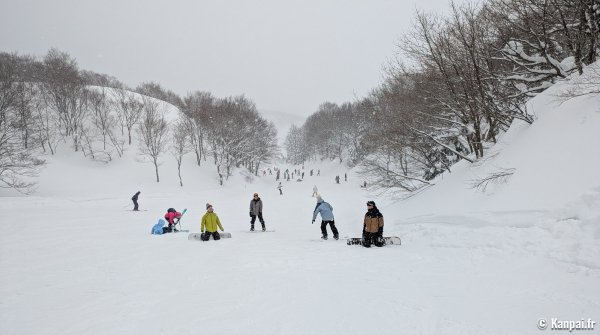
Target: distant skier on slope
[
  {"x": 280, "y": 187},
  {"x": 210, "y": 222},
  {"x": 170, "y": 216},
  {"x": 256, "y": 206},
  {"x": 326, "y": 211},
  {"x": 373, "y": 226},
  {"x": 135, "y": 199}
]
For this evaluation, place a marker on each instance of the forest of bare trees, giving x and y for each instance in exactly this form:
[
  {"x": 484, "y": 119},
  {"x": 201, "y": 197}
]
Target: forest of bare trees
[
  {"x": 462, "y": 79},
  {"x": 49, "y": 104}
]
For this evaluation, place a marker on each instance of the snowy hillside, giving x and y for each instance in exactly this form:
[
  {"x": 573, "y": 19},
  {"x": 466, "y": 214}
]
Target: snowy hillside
[{"x": 74, "y": 259}]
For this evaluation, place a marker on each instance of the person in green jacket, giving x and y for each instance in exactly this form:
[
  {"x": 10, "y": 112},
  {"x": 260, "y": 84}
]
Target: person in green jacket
[{"x": 210, "y": 221}]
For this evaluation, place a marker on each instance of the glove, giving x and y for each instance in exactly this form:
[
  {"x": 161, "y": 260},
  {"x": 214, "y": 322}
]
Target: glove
[
  {"x": 380, "y": 231},
  {"x": 313, "y": 221},
  {"x": 250, "y": 214}
]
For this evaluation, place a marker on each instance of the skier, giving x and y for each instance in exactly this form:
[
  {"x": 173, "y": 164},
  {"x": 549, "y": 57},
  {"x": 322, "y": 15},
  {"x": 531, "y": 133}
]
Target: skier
[
  {"x": 134, "y": 199},
  {"x": 256, "y": 206},
  {"x": 279, "y": 187},
  {"x": 210, "y": 222},
  {"x": 170, "y": 216},
  {"x": 326, "y": 211},
  {"x": 373, "y": 226}
]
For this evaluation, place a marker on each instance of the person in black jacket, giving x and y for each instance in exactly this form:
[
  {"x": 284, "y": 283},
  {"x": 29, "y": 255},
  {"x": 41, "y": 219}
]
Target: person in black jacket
[{"x": 135, "y": 199}]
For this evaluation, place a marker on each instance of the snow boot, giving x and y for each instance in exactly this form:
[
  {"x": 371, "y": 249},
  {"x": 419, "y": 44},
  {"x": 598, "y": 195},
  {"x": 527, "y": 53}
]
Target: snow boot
[
  {"x": 264, "y": 228},
  {"x": 251, "y": 227},
  {"x": 324, "y": 237}
]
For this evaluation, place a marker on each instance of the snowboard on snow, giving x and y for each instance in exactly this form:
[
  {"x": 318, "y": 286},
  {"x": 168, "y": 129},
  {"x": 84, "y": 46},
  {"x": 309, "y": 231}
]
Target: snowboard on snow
[
  {"x": 387, "y": 240},
  {"x": 198, "y": 236}
]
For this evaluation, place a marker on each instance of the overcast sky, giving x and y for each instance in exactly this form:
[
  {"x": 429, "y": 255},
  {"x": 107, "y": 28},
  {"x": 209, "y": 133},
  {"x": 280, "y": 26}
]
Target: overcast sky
[{"x": 287, "y": 56}]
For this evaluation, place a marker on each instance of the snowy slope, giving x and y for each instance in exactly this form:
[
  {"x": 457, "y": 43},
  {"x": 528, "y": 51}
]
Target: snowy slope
[{"x": 75, "y": 260}]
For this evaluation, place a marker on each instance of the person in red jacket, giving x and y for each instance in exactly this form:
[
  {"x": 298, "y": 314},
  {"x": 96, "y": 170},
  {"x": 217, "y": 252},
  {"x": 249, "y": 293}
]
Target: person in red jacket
[{"x": 171, "y": 215}]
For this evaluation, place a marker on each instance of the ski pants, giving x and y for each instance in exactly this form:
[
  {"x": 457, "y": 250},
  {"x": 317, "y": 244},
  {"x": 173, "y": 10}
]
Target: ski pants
[
  {"x": 372, "y": 238},
  {"x": 260, "y": 218},
  {"x": 333, "y": 228},
  {"x": 206, "y": 236},
  {"x": 135, "y": 204}
]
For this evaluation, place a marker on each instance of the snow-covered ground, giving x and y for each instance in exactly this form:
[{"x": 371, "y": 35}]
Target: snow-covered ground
[{"x": 75, "y": 260}]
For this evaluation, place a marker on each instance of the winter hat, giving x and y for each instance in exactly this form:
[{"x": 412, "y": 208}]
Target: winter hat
[
  {"x": 208, "y": 205},
  {"x": 255, "y": 194},
  {"x": 371, "y": 202}
]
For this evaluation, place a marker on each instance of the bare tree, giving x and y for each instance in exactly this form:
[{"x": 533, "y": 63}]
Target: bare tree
[
  {"x": 101, "y": 115},
  {"x": 65, "y": 91},
  {"x": 152, "y": 131},
  {"x": 17, "y": 161},
  {"x": 179, "y": 145},
  {"x": 130, "y": 109}
]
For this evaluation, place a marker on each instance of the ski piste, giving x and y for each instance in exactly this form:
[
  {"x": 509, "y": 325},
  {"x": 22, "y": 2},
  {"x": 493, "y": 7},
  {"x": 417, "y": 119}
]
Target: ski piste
[
  {"x": 387, "y": 240},
  {"x": 198, "y": 236}
]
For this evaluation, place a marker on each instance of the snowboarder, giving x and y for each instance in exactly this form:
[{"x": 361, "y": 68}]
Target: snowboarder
[
  {"x": 135, "y": 199},
  {"x": 170, "y": 216},
  {"x": 280, "y": 187},
  {"x": 210, "y": 222},
  {"x": 373, "y": 226},
  {"x": 256, "y": 206},
  {"x": 326, "y": 211}
]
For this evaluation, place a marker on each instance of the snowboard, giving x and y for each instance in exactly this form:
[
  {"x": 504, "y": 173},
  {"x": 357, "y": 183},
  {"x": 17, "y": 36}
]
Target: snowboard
[
  {"x": 387, "y": 240},
  {"x": 198, "y": 236}
]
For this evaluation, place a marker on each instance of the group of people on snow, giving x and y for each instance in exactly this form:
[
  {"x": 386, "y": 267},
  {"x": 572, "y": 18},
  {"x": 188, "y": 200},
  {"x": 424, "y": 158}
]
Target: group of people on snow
[{"x": 372, "y": 224}]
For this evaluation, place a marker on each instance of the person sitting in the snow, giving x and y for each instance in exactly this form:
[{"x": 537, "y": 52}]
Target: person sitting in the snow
[
  {"x": 170, "y": 216},
  {"x": 210, "y": 222},
  {"x": 373, "y": 226},
  {"x": 256, "y": 207},
  {"x": 326, "y": 211}
]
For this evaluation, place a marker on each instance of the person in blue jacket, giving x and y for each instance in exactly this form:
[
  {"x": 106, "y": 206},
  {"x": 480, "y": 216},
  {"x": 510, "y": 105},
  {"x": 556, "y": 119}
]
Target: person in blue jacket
[
  {"x": 326, "y": 211},
  {"x": 157, "y": 229}
]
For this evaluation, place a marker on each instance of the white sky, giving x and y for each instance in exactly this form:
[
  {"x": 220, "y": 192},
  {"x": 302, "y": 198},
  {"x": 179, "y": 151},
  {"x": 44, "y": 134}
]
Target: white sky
[{"x": 287, "y": 56}]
